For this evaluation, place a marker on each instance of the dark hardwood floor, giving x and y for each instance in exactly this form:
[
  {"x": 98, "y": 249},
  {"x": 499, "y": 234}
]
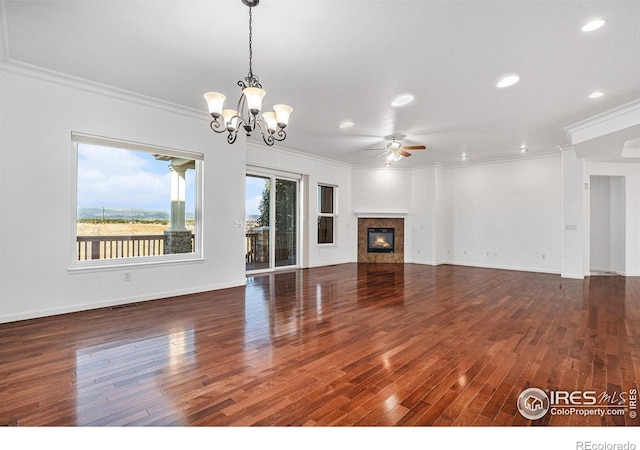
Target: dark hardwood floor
[{"x": 348, "y": 345}]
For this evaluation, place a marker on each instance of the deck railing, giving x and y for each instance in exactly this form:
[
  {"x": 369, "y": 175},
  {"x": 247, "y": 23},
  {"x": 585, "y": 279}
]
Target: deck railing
[
  {"x": 109, "y": 247},
  {"x": 257, "y": 245}
]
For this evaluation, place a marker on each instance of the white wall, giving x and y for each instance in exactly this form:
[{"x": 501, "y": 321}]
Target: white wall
[
  {"x": 618, "y": 227},
  {"x": 574, "y": 217},
  {"x": 381, "y": 190},
  {"x": 317, "y": 171},
  {"x": 37, "y": 179},
  {"x": 422, "y": 226},
  {"x": 506, "y": 214},
  {"x": 385, "y": 191},
  {"x": 428, "y": 219},
  {"x": 442, "y": 217}
]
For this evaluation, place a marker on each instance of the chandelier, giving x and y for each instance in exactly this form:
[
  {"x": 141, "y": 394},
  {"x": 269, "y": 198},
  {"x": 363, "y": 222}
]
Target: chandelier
[{"x": 247, "y": 115}]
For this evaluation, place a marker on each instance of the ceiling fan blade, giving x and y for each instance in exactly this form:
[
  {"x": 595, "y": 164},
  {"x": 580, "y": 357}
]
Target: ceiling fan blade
[
  {"x": 381, "y": 154},
  {"x": 414, "y": 147},
  {"x": 404, "y": 153},
  {"x": 374, "y": 149}
]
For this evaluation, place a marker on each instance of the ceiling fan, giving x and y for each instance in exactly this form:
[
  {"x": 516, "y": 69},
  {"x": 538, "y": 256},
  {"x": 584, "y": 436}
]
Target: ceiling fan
[{"x": 395, "y": 150}]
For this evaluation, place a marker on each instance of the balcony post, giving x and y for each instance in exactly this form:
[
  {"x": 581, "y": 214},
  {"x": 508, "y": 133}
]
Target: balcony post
[
  {"x": 178, "y": 242},
  {"x": 95, "y": 249},
  {"x": 178, "y": 189}
]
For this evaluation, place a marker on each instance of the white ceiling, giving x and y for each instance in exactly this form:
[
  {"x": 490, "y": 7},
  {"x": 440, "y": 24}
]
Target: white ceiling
[{"x": 334, "y": 60}]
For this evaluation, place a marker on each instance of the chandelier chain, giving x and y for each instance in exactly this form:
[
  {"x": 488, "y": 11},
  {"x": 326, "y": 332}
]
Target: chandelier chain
[
  {"x": 250, "y": 42},
  {"x": 247, "y": 115}
]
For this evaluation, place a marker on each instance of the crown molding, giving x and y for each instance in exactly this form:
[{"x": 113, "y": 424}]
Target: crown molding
[
  {"x": 395, "y": 168},
  {"x": 505, "y": 159},
  {"x": 51, "y": 76},
  {"x": 37, "y": 72},
  {"x": 298, "y": 153},
  {"x": 616, "y": 119}
]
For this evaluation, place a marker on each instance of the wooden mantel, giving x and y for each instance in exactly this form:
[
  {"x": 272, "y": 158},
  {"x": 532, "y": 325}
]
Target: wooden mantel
[{"x": 382, "y": 215}]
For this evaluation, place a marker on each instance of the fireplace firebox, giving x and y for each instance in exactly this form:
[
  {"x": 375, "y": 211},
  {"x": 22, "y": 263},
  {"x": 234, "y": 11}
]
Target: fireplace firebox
[{"x": 380, "y": 240}]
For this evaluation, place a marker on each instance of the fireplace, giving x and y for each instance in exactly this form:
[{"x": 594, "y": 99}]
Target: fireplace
[
  {"x": 390, "y": 230},
  {"x": 380, "y": 240}
]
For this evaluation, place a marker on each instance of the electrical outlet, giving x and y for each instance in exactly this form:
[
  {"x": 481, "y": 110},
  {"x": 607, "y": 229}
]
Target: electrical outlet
[{"x": 127, "y": 276}]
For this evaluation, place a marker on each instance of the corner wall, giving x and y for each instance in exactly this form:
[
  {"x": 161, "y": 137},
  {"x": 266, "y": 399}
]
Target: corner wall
[
  {"x": 503, "y": 214},
  {"x": 507, "y": 215}
]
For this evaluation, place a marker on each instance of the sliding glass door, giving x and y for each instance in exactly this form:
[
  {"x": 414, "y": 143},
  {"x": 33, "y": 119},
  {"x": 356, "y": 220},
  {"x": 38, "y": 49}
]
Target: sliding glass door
[
  {"x": 271, "y": 222},
  {"x": 258, "y": 221},
  {"x": 286, "y": 223}
]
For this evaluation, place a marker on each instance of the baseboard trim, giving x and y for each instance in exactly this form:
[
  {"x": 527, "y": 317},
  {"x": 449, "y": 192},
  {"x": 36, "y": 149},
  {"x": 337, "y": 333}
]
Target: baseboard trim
[
  {"x": 575, "y": 276},
  {"x": 35, "y": 314},
  {"x": 499, "y": 267}
]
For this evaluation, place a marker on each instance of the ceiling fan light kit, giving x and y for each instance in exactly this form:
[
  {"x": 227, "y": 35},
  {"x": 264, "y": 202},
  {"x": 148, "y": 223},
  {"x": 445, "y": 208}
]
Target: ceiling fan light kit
[
  {"x": 395, "y": 151},
  {"x": 247, "y": 114}
]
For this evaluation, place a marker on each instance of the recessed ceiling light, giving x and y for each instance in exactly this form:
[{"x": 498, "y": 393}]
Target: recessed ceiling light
[
  {"x": 507, "y": 81},
  {"x": 402, "y": 99},
  {"x": 346, "y": 124},
  {"x": 596, "y": 94},
  {"x": 463, "y": 157},
  {"x": 523, "y": 149},
  {"x": 593, "y": 25}
]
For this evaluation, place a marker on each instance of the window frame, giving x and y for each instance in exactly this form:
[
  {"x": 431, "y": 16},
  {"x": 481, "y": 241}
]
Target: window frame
[
  {"x": 333, "y": 214},
  {"x": 140, "y": 261}
]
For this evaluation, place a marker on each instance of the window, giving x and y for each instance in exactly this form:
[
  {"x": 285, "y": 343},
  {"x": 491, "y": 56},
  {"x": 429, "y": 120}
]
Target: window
[
  {"x": 326, "y": 214},
  {"x": 134, "y": 203}
]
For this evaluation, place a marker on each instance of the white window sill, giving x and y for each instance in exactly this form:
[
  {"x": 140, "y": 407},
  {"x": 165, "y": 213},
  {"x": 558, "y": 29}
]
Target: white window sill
[{"x": 129, "y": 263}]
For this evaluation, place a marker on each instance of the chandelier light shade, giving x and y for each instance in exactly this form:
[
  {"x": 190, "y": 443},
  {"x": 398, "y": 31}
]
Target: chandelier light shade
[
  {"x": 248, "y": 114},
  {"x": 215, "y": 101}
]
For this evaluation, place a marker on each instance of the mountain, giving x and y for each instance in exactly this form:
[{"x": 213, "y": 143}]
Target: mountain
[{"x": 94, "y": 212}]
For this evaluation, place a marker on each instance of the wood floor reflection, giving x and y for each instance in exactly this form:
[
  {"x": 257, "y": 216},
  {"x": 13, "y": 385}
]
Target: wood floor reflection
[{"x": 347, "y": 345}]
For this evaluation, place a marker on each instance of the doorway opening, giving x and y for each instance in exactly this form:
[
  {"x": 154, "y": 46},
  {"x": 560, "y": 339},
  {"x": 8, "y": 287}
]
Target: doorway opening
[{"x": 607, "y": 225}]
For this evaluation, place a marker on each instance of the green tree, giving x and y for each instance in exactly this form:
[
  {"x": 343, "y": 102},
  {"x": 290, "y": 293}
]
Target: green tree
[
  {"x": 265, "y": 204},
  {"x": 285, "y": 205}
]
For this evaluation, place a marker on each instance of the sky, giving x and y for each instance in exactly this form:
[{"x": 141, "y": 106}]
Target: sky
[
  {"x": 255, "y": 186},
  {"x": 116, "y": 178},
  {"x": 112, "y": 177}
]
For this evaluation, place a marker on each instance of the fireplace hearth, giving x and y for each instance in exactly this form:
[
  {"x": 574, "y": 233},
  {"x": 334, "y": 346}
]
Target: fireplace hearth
[{"x": 380, "y": 240}]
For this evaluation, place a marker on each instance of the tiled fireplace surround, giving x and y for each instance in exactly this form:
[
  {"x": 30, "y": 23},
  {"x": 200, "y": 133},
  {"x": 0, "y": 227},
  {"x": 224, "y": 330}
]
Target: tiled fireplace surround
[{"x": 381, "y": 222}]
